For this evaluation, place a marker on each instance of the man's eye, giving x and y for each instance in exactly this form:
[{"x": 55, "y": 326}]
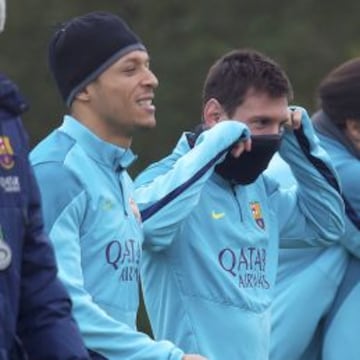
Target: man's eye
[
  {"x": 130, "y": 69},
  {"x": 261, "y": 123}
]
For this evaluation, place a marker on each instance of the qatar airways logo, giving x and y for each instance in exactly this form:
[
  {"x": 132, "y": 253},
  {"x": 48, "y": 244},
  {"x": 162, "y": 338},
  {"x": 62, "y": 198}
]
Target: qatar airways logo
[
  {"x": 246, "y": 265},
  {"x": 10, "y": 184},
  {"x": 124, "y": 257}
]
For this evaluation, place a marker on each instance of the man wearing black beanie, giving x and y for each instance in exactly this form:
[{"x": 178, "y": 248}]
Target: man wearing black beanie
[{"x": 101, "y": 69}]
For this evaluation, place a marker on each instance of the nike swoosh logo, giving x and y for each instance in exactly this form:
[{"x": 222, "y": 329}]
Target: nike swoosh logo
[
  {"x": 217, "y": 215},
  {"x": 107, "y": 204}
]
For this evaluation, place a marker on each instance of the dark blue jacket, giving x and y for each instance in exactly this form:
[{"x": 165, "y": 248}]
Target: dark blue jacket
[{"x": 35, "y": 310}]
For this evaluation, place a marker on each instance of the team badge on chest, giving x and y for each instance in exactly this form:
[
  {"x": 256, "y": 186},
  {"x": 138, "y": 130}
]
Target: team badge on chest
[
  {"x": 6, "y": 153},
  {"x": 257, "y": 214}
]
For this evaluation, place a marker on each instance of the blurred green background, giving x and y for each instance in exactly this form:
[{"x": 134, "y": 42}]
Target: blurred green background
[{"x": 184, "y": 37}]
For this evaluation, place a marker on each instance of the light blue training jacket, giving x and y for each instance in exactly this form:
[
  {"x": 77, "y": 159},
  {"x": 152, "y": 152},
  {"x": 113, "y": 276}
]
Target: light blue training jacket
[
  {"x": 342, "y": 326},
  {"x": 95, "y": 227},
  {"x": 306, "y": 285},
  {"x": 210, "y": 257},
  {"x": 332, "y": 274}
]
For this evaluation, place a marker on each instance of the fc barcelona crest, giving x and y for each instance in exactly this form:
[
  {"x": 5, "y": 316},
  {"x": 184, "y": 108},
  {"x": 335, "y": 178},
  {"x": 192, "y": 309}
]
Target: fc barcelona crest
[
  {"x": 6, "y": 153},
  {"x": 257, "y": 214},
  {"x": 135, "y": 209}
]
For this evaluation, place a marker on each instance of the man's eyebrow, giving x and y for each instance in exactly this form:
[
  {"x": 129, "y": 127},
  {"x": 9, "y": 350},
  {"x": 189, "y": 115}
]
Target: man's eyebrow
[
  {"x": 261, "y": 117},
  {"x": 135, "y": 58}
]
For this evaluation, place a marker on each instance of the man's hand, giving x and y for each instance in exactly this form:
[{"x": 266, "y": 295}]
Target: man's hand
[
  {"x": 193, "y": 357},
  {"x": 294, "y": 119},
  {"x": 240, "y": 147}
]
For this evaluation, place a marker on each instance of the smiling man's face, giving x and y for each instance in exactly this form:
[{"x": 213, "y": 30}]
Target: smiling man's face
[{"x": 120, "y": 100}]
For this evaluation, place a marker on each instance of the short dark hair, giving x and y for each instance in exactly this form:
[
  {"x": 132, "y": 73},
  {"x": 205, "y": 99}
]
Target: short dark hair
[
  {"x": 234, "y": 74},
  {"x": 339, "y": 92}
]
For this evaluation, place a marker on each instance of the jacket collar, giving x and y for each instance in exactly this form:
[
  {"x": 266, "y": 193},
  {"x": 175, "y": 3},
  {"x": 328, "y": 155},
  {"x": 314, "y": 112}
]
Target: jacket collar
[{"x": 108, "y": 154}]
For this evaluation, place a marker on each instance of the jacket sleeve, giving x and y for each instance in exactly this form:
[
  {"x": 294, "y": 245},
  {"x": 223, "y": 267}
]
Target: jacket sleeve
[
  {"x": 349, "y": 173},
  {"x": 65, "y": 206},
  {"x": 313, "y": 210},
  {"x": 168, "y": 190},
  {"x": 45, "y": 323}
]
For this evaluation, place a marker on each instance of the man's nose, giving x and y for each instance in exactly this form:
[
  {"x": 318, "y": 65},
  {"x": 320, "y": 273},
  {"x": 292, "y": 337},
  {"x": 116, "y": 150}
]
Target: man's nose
[{"x": 150, "y": 79}]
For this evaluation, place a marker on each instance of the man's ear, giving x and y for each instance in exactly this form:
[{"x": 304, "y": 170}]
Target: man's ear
[
  {"x": 352, "y": 130},
  {"x": 353, "y": 127},
  {"x": 84, "y": 94},
  {"x": 213, "y": 112}
]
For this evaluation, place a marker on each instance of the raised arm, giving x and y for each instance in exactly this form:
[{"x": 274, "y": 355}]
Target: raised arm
[
  {"x": 313, "y": 210},
  {"x": 168, "y": 190}
]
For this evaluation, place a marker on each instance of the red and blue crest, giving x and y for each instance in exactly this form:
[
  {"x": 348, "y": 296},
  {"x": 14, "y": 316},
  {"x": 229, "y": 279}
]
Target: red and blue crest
[{"x": 257, "y": 214}]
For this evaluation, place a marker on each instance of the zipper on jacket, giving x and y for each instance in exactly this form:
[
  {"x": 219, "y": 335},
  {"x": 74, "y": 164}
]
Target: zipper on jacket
[
  {"x": 237, "y": 202},
  {"x": 119, "y": 179}
]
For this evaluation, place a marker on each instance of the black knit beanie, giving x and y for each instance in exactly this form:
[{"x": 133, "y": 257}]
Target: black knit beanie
[
  {"x": 85, "y": 46},
  {"x": 339, "y": 92}
]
